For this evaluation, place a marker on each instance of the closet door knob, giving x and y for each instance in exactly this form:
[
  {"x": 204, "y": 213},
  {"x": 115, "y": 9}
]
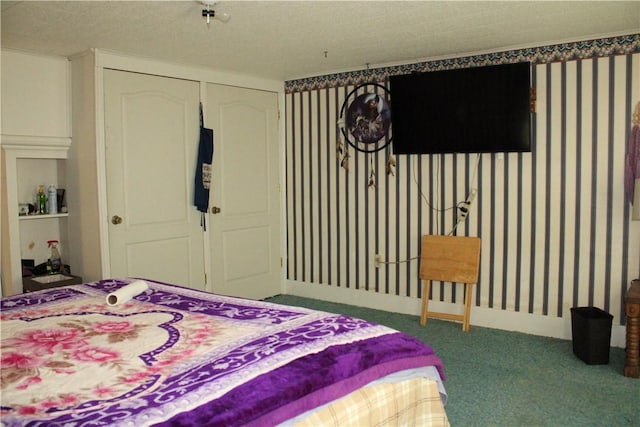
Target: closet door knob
[
  {"x": 115, "y": 220},
  {"x": 215, "y": 210}
]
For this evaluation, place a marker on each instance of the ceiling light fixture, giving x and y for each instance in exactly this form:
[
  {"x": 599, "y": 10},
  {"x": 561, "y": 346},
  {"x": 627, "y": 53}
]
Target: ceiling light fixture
[{"x": 210, "y": 13}]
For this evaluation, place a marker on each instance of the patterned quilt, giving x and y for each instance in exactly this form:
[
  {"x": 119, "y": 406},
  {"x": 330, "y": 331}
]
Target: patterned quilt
[{"x": 177, "y": 356}]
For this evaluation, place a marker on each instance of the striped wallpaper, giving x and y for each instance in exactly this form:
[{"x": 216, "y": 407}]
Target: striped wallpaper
[{"x": 555, "y": 223}]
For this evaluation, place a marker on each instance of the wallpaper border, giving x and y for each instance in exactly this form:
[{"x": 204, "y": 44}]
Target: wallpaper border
[{"x": 619, "y": 45}]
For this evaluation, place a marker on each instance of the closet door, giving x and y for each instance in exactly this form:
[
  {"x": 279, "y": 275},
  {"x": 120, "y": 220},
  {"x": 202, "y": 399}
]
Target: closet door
[
  {"x": 245, "y": 222},
  {"x": 151, "y": 138}
]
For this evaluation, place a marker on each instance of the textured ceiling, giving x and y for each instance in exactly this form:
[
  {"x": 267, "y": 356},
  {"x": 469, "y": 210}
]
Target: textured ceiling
[{"x": 284, "y": 40}]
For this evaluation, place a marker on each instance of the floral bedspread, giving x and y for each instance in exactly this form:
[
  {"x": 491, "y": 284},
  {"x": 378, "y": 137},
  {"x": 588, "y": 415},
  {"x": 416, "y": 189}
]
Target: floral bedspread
[{"x": 177, "y": 356}]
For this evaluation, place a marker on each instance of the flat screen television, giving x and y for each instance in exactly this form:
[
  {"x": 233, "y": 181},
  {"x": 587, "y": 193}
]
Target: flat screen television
[{"x": 468, "y": 110}]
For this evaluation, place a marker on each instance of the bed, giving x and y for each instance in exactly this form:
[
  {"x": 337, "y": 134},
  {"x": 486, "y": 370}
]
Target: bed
[{"x": 176, "y": 356}]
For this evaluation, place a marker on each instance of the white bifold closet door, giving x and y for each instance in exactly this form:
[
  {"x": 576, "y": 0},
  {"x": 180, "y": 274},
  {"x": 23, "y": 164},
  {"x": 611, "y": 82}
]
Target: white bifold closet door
[
  {"x": 151, "y": 140},
  {"x": 244, "y": 234}
]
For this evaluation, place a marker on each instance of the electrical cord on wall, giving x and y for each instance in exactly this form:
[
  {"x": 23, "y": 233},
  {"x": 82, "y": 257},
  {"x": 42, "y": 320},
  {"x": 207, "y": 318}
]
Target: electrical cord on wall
[
  {"x": 424, "y": 198},
  {"x": 462, "y": 207},
  {"x": 402, "y": 261},
  {"x": 463, "y": 210}
]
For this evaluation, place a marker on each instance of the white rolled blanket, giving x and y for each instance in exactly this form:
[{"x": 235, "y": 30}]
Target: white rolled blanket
[{"x": 127, "y": 292}]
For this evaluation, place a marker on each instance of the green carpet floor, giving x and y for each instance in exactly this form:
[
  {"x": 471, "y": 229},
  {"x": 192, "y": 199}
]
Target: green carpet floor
[{"x": 500, "y": 378}]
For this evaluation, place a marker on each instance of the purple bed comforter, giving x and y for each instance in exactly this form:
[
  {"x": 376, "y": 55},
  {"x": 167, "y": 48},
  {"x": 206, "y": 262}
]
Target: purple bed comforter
[{"x": 177, "y": 356}]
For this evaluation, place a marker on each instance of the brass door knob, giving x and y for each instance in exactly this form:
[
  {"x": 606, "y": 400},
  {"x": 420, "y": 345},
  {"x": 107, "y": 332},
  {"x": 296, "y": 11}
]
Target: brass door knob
[
  {"x": 115, "y": 220},
  {"x": 215, "y": 210}
]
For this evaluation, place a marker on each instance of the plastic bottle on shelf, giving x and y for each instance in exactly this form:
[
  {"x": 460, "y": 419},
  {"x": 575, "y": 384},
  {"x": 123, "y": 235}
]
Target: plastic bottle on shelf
[
  {"x": 55, "y": 260},
  {"x": 52, "y": 200},
  {"x": 42, "y": 200}
]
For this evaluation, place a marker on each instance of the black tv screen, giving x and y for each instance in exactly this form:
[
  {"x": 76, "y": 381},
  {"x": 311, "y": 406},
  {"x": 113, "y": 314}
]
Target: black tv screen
[{"x": 469, "y": 110}]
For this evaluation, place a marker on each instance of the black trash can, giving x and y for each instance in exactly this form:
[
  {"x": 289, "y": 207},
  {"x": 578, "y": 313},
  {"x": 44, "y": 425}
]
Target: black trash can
[{"x": 591, "y": 333}]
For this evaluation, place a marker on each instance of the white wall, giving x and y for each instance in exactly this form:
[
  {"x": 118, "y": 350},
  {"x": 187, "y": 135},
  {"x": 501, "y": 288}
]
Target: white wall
[{"x": 35, "y": 95}]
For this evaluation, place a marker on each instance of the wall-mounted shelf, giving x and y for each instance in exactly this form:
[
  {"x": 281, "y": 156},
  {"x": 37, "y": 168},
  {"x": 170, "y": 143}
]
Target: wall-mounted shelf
[
  {"x": 16, "y": 234},
  {"x": 43, "y": 216}
]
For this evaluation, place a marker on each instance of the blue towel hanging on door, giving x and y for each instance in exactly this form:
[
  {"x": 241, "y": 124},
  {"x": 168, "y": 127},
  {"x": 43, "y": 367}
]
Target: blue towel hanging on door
[{"x": 203, "y": 170}]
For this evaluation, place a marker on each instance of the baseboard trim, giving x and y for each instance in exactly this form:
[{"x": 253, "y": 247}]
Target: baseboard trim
[{"x": 534, "y": 324}]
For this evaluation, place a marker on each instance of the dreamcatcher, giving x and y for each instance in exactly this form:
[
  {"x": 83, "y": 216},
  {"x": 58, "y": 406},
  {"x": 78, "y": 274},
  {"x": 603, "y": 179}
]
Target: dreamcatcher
[{"x": 365, "y": 123}]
